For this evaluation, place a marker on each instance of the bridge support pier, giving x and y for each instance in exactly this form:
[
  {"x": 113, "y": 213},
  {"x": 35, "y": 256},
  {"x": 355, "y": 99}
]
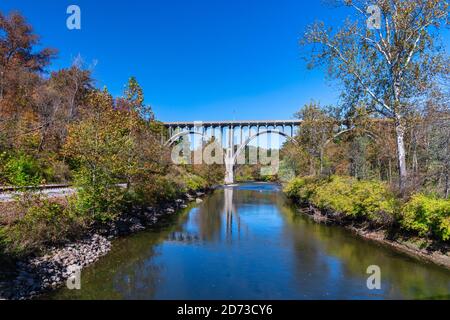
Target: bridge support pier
[
  {"x": 229, "y": 167},
  {"x": 229, "y": 157}
]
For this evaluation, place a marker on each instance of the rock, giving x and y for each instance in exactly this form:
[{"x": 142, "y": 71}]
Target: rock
[
  {"x": 35, "y": 275},
  {"x": 170, "y": 210},
  {"x": 198, "y": 200},
  {"x": 137, "y": 227},
  {"x": 189, "y": 197}
]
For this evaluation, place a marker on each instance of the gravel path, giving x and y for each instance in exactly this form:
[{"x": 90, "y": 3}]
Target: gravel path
[
  {"x": 8, "y": 196},
  {"x": 51, "y": 193}
]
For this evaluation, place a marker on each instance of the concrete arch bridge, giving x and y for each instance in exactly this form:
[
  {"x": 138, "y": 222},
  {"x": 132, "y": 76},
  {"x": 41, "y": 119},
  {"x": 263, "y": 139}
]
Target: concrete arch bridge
[{"x": 227, "y": 133}]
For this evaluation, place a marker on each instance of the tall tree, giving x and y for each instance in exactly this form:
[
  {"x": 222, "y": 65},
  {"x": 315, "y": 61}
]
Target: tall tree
[
  {"x": 389, "y": 66},
  {"x": 134, "y": 100},
  {"x": 17, "y": 42},
  {"x": 58, "y": 103},
  {"x": 21, "y": 67}
]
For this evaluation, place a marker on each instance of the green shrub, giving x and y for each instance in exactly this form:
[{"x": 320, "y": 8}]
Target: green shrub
[
  {"x": 268, "y": 178},
  {"x": 99, "y": 203},
  {"x": 44, "y": 223},
  {"x": 355, "y": 198},
  {"x": 428, "y": 216},
  {"x": 301, "y": 189},
  {"x": 22, "y": 170},
  {"x": 335, "y": 195},
  {"x": 161, "y": 189},
  {"x": 194, "y": 182},
  {"x": 346, "y": 196},
  {"x": 366, "y": 199},
  {"x": 292, "y": 188},
  {"x": 375, "y": 200},
  {"x": 99, "y": 198},
  {"x": 3, "y": 159},
  {"x": 164, "y": 188}
]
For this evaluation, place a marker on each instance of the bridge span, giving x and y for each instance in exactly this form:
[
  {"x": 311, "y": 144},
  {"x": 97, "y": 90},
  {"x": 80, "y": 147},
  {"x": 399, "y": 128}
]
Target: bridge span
[{"x": 177, "y": 130}]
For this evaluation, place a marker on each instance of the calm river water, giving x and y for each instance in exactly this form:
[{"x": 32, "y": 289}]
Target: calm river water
[{"x": 248, "y": 242}]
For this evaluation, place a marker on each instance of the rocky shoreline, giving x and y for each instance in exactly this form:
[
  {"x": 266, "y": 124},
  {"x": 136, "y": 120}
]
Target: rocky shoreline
[
  {"x": 34, "y": 276},
  {"x": 438, "y": 254}
]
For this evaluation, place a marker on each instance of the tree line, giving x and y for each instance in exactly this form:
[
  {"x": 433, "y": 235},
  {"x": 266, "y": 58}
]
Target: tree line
[{"x": 53, "y": 125}]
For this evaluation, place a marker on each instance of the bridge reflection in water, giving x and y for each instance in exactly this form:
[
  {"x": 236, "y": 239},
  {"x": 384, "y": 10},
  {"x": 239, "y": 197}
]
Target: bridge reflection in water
[
  {"x": 231, "y": 217},
  {"x": 230, "y": 212}
]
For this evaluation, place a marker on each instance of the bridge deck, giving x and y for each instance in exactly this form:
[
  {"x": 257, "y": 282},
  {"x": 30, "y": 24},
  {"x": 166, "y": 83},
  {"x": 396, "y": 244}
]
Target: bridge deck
[{"x": 233, "y": 123}]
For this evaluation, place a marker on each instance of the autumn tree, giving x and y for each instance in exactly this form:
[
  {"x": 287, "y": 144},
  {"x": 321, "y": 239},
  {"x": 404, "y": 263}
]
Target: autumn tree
[
  {"x": 97, "y": 146},
  {"x": 134, "y": 100},
  {"x": 389, "y": 66},
  {"x": 317, "y": 128},
  {"x": 430, "y": 146},
  {"x": 58, "y": 103},
  {"x": 21, "y": 67},
  {"x": 109, "y": 145},
  {"x": 137, "y": 117}
]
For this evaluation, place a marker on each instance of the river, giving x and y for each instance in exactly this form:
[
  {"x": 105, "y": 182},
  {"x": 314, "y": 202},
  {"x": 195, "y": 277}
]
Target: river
[{"x": 249, "y": 242}]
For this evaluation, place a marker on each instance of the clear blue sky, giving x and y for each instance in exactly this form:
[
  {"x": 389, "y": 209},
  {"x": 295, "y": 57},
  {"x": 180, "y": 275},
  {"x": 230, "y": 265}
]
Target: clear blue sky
[{"x": 196, "y": 59}]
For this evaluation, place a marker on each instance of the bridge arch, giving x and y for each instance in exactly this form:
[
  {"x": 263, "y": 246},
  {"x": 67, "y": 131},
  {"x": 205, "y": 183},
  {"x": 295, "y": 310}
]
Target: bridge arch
[
  {"x": 368, "y": 133},
  {"x": 249, "y": 139},
  {"x": 181, "y": 134}
]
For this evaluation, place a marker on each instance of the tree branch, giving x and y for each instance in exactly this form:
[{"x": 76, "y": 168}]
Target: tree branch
[{"x": 358, "y": 77}]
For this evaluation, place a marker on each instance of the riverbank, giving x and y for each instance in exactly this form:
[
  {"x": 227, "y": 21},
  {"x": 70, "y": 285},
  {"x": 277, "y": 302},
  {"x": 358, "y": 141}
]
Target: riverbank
[
  {"x": 32, "y": 276},
  {"x": 417, "y": 224},
  {"x": 415, "y": 247}
]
